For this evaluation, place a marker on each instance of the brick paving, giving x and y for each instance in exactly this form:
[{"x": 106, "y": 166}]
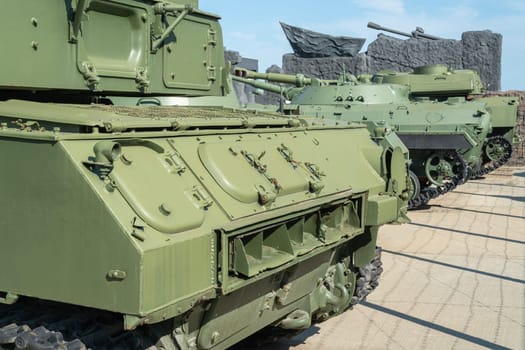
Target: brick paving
[{"x": 454, "y": 278}]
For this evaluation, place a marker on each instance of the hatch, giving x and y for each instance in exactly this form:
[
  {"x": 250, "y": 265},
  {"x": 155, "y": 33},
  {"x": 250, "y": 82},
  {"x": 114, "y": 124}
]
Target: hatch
[
  {"x": 267, "y": 173},
  {"x": 156, "y": 186},
  {"x": 114, "y": 41}
]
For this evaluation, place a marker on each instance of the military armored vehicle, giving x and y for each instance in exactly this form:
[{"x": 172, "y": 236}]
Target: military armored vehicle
[
  {"x": 151, "y": 227},
  {"x": 445, "y": 139},
  {"x": 439, "y": 82}
]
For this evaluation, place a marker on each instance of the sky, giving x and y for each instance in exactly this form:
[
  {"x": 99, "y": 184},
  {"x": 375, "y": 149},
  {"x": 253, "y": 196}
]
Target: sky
[{"x": 252, "y": 27}]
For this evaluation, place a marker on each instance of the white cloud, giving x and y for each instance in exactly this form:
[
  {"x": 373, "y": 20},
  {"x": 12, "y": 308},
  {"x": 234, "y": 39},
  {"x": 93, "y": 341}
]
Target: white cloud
[
  {"x": 463, "y": 11},
  {"x": 391, "y": 6},
  {"x": 242, "y": 36},
  {"x": 515, "y": 5}
]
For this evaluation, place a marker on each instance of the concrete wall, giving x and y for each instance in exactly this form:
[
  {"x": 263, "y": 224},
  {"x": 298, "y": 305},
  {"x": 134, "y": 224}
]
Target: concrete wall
[{"x": 479, "y": 50}]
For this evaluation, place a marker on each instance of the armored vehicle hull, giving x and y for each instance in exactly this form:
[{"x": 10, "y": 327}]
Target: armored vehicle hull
[
  {"x": 150, "y": 227},
  {"x": 438, "y": 82},
  {"x": 146, "y": 212},
  {"x": 445, "y": 139}
]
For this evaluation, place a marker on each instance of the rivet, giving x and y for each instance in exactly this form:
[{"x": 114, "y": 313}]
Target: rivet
[{"x": 165, "y": 209}]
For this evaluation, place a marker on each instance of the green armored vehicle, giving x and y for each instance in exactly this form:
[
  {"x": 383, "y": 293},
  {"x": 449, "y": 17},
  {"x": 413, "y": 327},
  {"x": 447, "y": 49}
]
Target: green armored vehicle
[
  {"x": 134, "y": 227},
  {"x": 445, "y": 139},
  {"x": 438, "y": 82}
]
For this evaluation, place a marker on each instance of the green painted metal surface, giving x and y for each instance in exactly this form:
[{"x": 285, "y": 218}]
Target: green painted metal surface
[
  {"x": 109, "y": 46},
  {"x": 434, "y": 131},
  {"x": 184, "y": 227},
  {"x": 438, "y": 82},
  {"x": 435, "y": 80}
]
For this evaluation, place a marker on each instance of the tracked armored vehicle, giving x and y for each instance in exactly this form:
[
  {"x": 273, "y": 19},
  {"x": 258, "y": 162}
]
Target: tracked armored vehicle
[
  {"x": 134, "y": 227},
  {"x": 445, "y": 138},
  {"x": 439, "y": 83}
]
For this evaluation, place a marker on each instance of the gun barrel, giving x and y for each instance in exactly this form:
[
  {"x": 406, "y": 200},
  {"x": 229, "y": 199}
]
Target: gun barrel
[
  {"x": 376, "y": 26},
  {"x": 418, "y": 33},
  {"x": 260, "y": 84},
  {"x": 298, "y": 80}
]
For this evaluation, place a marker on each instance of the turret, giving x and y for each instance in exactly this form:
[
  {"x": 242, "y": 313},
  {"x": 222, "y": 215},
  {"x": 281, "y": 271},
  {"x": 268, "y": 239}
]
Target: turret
[
  {"x": 435, "y": 80},
  {"x": 312, "y": 91},
  {"x": 97, "y": 47}
]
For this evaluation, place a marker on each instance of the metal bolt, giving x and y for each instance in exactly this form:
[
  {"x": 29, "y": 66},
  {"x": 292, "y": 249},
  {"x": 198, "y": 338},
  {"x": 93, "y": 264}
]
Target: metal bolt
[{"x": 165, "y": 209}]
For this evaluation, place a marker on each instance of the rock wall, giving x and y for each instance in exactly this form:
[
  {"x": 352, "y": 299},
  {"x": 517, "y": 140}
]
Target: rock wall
[
  {"x": 244, "y": 93},
  {"x": 479, "y": 50}
]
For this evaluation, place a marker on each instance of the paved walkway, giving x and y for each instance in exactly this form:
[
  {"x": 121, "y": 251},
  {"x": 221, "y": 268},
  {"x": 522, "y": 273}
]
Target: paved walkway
[{"x": 453, "y": 279}]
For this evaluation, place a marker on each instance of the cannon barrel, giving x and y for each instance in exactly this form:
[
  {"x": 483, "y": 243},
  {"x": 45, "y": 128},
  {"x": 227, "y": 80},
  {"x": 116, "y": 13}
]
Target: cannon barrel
[
  {"x": 260, "y": 84},
  {"x": 298, "y": 80},
  {"x": 376, "y": 26},
  {"x": 418, "y": 33},
  {"x": 287, "y": 92}
]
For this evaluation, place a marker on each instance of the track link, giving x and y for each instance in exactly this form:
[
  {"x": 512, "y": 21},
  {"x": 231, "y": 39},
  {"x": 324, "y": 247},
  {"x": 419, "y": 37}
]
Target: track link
[
  {"x": 433, "y": 192},
  {"x": 40, "y": 325},
  {"x": 367, "y": 278}
]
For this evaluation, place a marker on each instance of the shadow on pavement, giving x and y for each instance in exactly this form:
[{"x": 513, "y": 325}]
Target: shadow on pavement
[
  {"x": 479, "y": 211},
  {"x": 258, "y": 341},
  {"x": 520, "y": 174},
  {"x": 469, "y": 233},
  {"x": 512, "y": 198},
  {"x": 494, "y": 184},
  {"x": 431, "y": 261},
  {"x": 422, "y": 207},
  {"x": 436, "y": 327}
]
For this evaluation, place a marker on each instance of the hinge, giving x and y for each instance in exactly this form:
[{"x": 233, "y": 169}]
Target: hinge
[
  {"x": 315, "y": 186},
  {"x": 201, "y": 197},
  {"x": 265, "y": 195},
  {"x": 89, "y": 72},
  {"x": 212, "y": 37},
  {"x": 212, "y": 75},
  {"x": 175, "y": 163},
  {"x": 256, "y": 163},
  {"x": 142, "y": 78},
  {"x": 314, "y": 169}
]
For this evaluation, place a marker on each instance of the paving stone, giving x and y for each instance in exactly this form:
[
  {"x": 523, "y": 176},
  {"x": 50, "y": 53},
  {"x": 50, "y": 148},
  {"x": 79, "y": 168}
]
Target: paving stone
[{"x": 453, "y": 279}]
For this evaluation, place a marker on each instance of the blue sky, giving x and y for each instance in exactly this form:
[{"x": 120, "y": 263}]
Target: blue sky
[{"x": 252, "y": 27}]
